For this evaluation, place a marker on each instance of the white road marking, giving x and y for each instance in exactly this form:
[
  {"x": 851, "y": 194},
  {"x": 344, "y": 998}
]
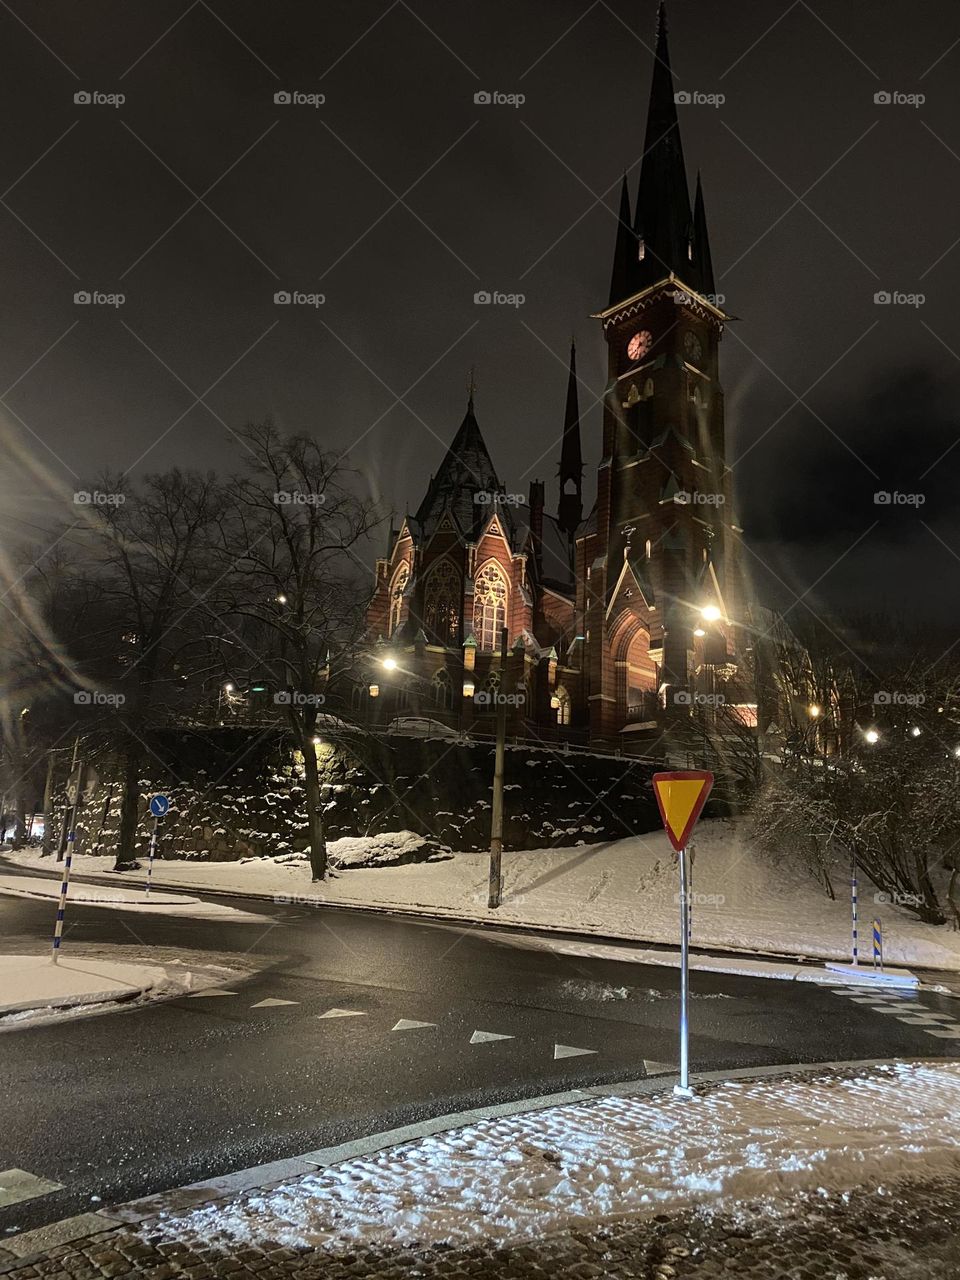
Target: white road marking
[
  {"x": 568, "y": 1051},
  {"x": 659, "y": 1068},
  {"x": 945, "y": 1033},
  {"x": 484, "y": 1037},
  {"x": 17, "y": 1185},
  {"x": 271, "y": 1003},
  {"x": 406, "y": 1025},
  {"x": 925, "y": 1019},
  {"x": 214, "y": 991},
  {"x": 342, "y": 1013}
]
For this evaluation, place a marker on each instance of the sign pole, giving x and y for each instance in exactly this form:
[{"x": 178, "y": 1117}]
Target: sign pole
[
  {"x": 684, "y": 975},
  {"x": 680, "y": 798},
  {"x": 495, "y": 886},
  {"x": 853, "y": 909},
  {"x": 153, "y": 849}
]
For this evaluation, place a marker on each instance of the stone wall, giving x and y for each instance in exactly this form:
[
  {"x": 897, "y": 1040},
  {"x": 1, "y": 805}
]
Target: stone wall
[{"x": 237, "y": 793}]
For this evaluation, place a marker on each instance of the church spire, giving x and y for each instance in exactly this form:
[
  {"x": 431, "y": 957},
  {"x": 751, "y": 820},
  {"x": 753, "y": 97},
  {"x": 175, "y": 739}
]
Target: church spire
[
  {"x": 702, "y": 260},
  {"x": 625, "y": 251},
  {"x": 663, "y": 223},
  {"x": 570, "y": 509}
]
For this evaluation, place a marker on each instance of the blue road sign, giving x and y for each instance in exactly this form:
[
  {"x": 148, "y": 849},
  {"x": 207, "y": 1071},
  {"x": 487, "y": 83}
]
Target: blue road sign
[{"x": 159, "y": 806}]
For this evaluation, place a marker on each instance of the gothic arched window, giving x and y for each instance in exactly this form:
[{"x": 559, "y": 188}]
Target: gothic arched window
[
  {"x": 441, "y": 603},
  {"x": 489, "y": 605},
  {"x": 400, "y": 579},
  {"x": 443, "y": 689}
]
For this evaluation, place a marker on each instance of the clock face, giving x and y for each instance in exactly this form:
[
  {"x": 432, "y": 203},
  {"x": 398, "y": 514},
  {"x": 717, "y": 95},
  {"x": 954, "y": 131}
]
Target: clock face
[
  {"x": 639, "y": 344},
  {"x": 693, "y": 347}
]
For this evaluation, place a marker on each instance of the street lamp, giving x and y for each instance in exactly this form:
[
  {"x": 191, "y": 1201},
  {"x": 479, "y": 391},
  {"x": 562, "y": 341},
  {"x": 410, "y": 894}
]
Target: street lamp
[
  {"x": 710, "y": 613},
  {"x": 281, "y": 599},
  {"x": 915, "y": 731},
  {"x": 872, "y": 736},
  {"x": 813, "y": 711},
  {"x": 699, "y": 632},
  {"x": 390, "y": 664}
]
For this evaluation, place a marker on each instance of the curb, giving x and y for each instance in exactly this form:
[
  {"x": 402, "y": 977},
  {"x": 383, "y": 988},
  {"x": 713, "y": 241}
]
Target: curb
[
  {"x": 28, "y": 1247},
  {"x": 812, "y": 964}
]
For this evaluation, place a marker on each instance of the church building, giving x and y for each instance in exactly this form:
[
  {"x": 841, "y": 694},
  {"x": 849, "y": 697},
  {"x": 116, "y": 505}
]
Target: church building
[{"x": 620, "y": 621}]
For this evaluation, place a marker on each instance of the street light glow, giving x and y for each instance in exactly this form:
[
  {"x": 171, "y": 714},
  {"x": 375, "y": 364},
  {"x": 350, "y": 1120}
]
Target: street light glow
[
  {"x": 699, "y": 631},
  {"x": 390, "y": 664},
  {"x": 814, "y": 710},
  {"x": 281, "y": 599},
  {"x": 228, "y": 687},
  {"x": 710, "y": 612},
  {"x": 872, "y": 736},
  {"x": 915, "y": 731}
]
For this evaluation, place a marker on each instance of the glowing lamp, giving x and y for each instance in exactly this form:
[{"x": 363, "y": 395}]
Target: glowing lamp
[
  {"x": 814, "y": 710},
  {"x": 390, "y": 664},
  {"x": 915, "y": 731},
  {"x": 699, "y": 632},
  {"x": 872, "y": 736},
  {"x": 710, "y": 612},
  {"x": 374, "y": 691}
]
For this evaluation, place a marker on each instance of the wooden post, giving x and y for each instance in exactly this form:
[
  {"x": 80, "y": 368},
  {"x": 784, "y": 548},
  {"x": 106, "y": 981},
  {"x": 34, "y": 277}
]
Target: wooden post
[{"x": 496, "y": 828}]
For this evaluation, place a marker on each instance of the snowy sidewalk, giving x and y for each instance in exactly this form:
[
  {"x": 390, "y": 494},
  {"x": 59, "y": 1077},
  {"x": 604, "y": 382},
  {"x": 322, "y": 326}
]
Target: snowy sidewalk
[
  {"x": 34, "y": 982},
  {"x": 850, "y": 1173}
]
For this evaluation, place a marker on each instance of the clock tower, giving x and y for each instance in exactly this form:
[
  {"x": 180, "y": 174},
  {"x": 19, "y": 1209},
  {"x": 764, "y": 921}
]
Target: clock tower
[{"x": 658, "y": 551}]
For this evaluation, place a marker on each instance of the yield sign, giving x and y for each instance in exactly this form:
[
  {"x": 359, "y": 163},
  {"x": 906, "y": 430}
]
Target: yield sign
[{"x": 681, "y": 796}]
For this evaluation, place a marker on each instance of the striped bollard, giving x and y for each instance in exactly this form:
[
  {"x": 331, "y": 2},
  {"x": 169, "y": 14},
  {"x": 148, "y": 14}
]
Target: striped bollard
[
  {"x": 853, "y": 909},
  {"x": 877, "y": 946},
  {"x": 64, "y": 886}
]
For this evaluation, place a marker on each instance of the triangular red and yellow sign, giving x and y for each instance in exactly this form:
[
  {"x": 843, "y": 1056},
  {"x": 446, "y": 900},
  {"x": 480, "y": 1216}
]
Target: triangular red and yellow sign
[{"x": 681, "y": 797}]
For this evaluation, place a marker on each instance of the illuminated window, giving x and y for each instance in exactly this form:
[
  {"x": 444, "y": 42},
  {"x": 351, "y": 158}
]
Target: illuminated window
[
  {"x": 400, "y": 579},
  {"x": 441, "y": 609},
  {"x": 443, "y": 690},
  {"x": 490, "y": 605},
  {"x": 562, "y": 700}
]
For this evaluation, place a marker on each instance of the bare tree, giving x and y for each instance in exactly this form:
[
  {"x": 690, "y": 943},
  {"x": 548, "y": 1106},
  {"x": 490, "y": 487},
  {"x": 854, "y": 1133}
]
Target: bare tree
[{"x": 293, "y": 585}]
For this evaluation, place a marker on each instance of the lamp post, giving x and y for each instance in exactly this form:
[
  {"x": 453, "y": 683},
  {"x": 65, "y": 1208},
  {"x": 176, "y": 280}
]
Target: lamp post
[{"x": 495, "y": 889}]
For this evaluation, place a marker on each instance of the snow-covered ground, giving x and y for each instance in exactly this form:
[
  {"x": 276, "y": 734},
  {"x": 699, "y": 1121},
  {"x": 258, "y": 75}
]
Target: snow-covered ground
[
  {"x": 626, "y": 889},
  {"x": 128, "y": 897},
  {"x": 33, "y": 989},
  {"x": 529, "y": 1175}
]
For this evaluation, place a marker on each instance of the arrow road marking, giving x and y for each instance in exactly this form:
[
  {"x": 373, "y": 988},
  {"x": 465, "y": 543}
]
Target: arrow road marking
[
  {"x": 484, "y": 1037},
  {"x": 342, "y": 1013},
  {"x": 215, "y": 991},
  {"x": 406, "y": 1025},
  {"x": 659, "y": 1068},
  {"x": 568, "y": 1051},
  {"x": 269, "y": 1004}
]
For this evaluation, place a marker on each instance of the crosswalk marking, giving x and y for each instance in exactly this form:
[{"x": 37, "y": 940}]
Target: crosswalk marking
[
  {"x": 405, "y": 1024},
  {"x": 484, "y": 1037},
  {"x": 342, "y": 1013},
  {"x": 569, "y": 1051},
  {"x": 271, "y": 1003},
  {"x": 906, "y": 1008},
  {"x": 944, "y": 1033}
]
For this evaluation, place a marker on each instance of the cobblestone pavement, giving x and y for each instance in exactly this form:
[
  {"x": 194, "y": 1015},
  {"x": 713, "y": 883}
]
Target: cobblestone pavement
[{"x": 906, "y": 1231}]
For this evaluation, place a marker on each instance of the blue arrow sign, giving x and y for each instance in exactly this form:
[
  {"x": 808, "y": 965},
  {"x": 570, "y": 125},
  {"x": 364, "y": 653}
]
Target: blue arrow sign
[{"x": 159, "y": 806}]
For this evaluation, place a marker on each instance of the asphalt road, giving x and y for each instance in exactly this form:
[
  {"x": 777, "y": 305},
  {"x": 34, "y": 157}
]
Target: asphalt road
[{"x": 135, "y": 1101}]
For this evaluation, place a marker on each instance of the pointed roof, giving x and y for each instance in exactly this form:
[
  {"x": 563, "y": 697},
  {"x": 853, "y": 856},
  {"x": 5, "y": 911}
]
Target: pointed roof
[
  {"x": 467, "y": 469},
  {"x": 663, "y": 221},
  {"x": 625, "y": 250},
  {"x": 702, "y": 260},
  {"x": 570, "y": 509}
]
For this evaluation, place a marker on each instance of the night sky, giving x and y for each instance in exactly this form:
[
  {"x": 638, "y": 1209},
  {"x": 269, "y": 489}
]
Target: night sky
[{"x": 397, "y": 199}]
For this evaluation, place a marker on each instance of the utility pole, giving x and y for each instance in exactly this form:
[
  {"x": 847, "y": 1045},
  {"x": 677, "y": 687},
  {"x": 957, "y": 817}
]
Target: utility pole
[
  {"x": 496, "y": 828},
  {"x": 64, "y": 823}
]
